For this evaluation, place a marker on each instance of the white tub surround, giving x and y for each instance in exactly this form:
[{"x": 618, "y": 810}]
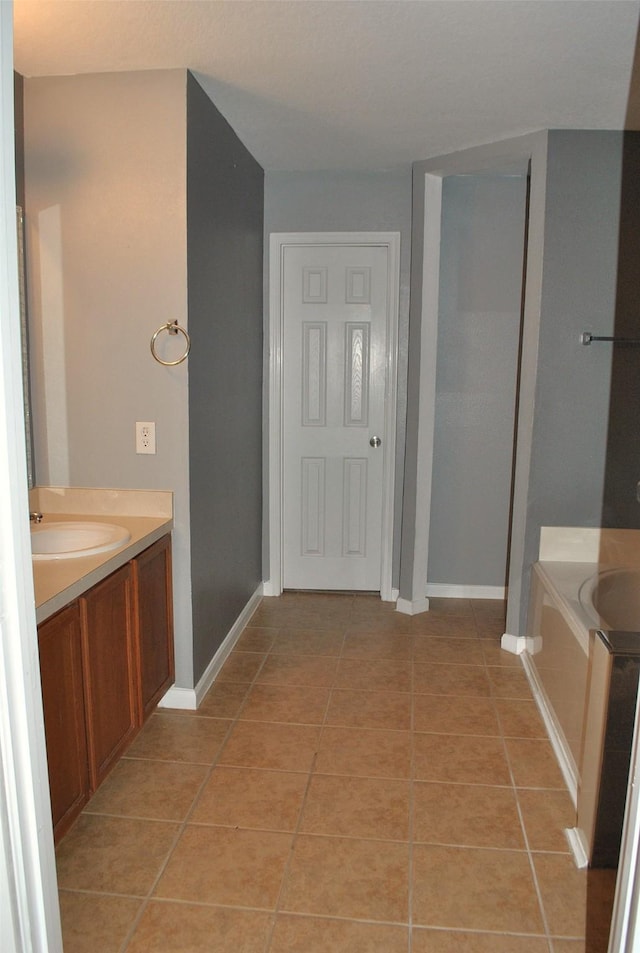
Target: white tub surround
[
  {"x": 584, "y": 674},
  {"x": 556, "y": 659},
  {"x": 568, "y": 556},
  {"x": 146, "y": 514},
  {"x": 606, "y": 547}
]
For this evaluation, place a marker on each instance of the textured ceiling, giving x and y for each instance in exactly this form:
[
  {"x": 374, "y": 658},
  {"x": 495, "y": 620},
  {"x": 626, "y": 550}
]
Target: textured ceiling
[{"x": 358, "y": 84}]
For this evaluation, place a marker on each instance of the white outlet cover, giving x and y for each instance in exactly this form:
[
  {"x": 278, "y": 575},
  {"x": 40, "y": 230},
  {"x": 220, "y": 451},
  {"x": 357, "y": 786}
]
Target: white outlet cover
[{"x": 145, "y": 436}]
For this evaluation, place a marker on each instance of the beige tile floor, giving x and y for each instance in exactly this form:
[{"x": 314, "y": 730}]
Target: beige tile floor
[{"x": 356, "y": 781}]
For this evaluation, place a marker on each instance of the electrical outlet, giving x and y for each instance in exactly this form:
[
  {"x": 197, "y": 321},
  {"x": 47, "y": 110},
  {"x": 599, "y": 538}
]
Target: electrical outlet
[{"x": 145, "y": 436}]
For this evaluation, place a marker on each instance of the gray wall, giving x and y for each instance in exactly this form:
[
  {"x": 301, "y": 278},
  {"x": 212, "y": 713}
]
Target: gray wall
[
  {"x": 105, "y": 168},
  {"x": 225, "y": 259},
  {"x": 569, "y": 441},
  {"x": 572, "y": 280},
  {"x": 350, "y": 201},
  {"x": 622, "y": 472},
  {"x": 482, "y": 247}
]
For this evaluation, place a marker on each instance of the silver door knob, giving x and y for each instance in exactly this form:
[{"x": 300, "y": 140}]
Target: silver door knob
[{"x": 375, "y": 441}]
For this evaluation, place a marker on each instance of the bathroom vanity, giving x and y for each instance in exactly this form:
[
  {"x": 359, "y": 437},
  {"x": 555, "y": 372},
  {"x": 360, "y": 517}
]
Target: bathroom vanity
[{"x": 106, "y": 649}]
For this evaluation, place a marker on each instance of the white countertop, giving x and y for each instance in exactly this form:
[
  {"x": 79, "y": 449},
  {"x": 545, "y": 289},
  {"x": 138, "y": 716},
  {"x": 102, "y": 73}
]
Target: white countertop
[{"x": 146, "y": 515}]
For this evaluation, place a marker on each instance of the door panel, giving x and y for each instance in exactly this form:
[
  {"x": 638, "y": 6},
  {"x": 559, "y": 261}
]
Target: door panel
[{"x": 335, "y": 323}]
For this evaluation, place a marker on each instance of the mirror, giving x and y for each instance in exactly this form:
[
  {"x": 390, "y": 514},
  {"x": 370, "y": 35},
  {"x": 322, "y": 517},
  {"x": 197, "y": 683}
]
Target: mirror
[{"x": 24, "y": 336}]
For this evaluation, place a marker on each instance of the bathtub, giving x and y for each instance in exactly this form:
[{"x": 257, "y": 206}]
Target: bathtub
[
  {"x": 612, "y": 598},
  {"x": 583, "y": 662}
]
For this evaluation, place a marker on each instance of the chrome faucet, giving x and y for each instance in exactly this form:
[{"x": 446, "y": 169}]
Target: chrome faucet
[{"x": 35, "y": 517}]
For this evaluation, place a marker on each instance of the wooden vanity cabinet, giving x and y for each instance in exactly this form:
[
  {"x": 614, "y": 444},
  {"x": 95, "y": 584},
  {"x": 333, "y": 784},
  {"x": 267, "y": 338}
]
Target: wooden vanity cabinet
[
  {"x": 111, "y": 697},
  {"x": 153, "y": 620},
  {"x": 105, "y": 662},
  {"x": 60, "y": 649}
]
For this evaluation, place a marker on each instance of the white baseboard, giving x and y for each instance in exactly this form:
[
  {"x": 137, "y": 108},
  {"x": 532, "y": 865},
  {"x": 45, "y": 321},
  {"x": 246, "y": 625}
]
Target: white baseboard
[
  {"x": 516, "y": 644},
  {"x": 183, "y": 699},
  {"x": 389, "y": 595},
  {"x": 454, "y": 591},
  {"x": 534, "y": 644},
  {"x": 556, "y": 735},
  {"x": 578, "y": 846},
  {"x": 437, "y": 590},
  {"x": 268, "y": 589},
  {"x": 189, "y": 699},
  {"x": 412, "y": 608}
]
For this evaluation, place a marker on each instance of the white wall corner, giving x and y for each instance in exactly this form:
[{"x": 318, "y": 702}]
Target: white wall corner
[
  {"x": 189, "y": 699},
  {"x": 412, "y": 607}
]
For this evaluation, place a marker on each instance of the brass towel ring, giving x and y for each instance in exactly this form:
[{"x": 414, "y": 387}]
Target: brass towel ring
[{"x": 173, "y": 328}]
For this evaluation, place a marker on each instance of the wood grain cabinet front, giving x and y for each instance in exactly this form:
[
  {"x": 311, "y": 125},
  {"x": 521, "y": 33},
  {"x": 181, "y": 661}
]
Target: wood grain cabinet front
[
  {"x": 60, "y": 648},
  {"x": 153, "y": 621},
  {"x": 105, "y": 662},
  {"x": 111, "y": 697}
]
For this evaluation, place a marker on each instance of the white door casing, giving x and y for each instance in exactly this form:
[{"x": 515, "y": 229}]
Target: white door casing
[
  {"x": 29, "y": 911},
  {"x": 333, "y": 355}
]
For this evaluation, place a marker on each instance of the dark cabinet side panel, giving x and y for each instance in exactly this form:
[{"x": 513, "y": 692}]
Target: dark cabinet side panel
[
  {"x": 154, "y": 623},
  {"x": 59, "y": 644}
]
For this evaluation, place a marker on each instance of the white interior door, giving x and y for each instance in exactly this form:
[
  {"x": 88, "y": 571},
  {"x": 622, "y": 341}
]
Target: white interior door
[{"x": 335, "y": 306}]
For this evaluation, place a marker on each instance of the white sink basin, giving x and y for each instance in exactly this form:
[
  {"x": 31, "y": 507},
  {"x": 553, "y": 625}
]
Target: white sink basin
[{"x": 67, "y": 540}]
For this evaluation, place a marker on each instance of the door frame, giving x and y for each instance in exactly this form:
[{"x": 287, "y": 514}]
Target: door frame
[
  {"x": 522, "y": 153},
  {"x": 278, "y": 242},
  {"x": 29, "y": 909}
]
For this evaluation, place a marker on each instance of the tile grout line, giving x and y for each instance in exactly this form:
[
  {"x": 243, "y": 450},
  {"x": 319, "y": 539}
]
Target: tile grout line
[
  {"x": 233, "y": 722},
  {"x": 530, "y": 852},
  {"x": 287, "y": 867},
  {"x": 412, "y": 784},
  {"x": 296, "y": 832},
  {"x": 494, "y": 698},
  {"x": 534, "y": 875},
  {"x": 183, "y": 825},
  {"x": 482, "y": 665}
]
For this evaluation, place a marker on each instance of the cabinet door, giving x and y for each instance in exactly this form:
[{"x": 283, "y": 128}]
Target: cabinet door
[
  {"x": 59, "y": 645},
  {"x": 110, "y": 693},
  {"x": 154, "y": 623}
]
